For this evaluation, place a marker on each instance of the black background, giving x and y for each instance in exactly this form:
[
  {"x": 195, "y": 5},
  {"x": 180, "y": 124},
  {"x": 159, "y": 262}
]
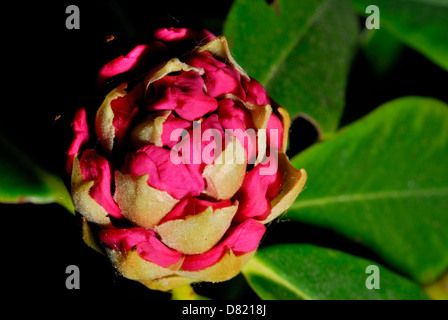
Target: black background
[{"x": 49, "y": 72}]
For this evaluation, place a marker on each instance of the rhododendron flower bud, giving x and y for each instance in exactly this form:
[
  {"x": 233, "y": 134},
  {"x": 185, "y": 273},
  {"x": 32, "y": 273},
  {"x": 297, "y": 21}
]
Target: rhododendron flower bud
[{"x": 183, "y": 164}]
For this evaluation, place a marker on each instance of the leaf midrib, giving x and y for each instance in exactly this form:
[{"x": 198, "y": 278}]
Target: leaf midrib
[
  {"x": 295, "y": 41},
  {"x": 370, "y": 196},
  {"x": 256, "y": 266}
]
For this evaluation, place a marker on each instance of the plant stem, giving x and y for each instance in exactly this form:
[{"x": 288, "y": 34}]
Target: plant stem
[{"x": 186, "y": 292}]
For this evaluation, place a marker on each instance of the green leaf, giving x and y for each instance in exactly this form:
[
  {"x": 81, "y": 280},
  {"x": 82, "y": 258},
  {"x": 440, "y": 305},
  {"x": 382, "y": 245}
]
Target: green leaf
[
  {"x": 383, "y": 182},
  {"x": 421, "y": 24},
  {"x": 22, "y": 181},
  {"x": 297, "y": 271},
  {"x": 299, "y": 50}
]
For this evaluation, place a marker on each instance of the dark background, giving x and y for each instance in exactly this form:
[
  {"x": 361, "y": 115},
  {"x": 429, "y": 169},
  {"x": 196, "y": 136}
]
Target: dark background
[{"x": 49, "y": 72}]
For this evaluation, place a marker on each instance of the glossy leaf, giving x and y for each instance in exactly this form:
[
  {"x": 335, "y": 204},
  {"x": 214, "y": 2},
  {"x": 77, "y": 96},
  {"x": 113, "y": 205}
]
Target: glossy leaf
[
  {"x": 298, "y": 271},
  {"x": 23, "y": 181},
  {"x": 421, "y": 24},
  {"x": 299, "y": 50},
  {"x": 383, "y": 182}
]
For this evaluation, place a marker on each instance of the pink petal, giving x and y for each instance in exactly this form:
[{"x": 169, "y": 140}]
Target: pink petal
[
  {"x": 238, "y": 120},
  {"x": 171, "y": 34},
  {"x": 274, "y": 131},
  {"x": 172, "y": 123},
  {"x": 132, "y": 61},
  {"x": 255, "y": 92},
  {"x": 219, "y": 78},
  {"x": 208, "y": 134},
  {"x": 229, "y": 111},
  {"x": 179, "y": 180},
  {"x": 193, "y": 206},
  {"x": 122, "y": 63},
  {"x": 183, "y": 93},
  {"x": 80, "y": 137},
  {"x": 125, "y": 108},
  {"x": 148, "y": 246},
  {"x": 96, "y": 168},
  {"x": 256, "y": 194},
  {"x": 215, "y": 142},
  {"x": 241, "y": 239},
  {"x": 204, "y": 36},
  {"x": 178, "y": 34}
]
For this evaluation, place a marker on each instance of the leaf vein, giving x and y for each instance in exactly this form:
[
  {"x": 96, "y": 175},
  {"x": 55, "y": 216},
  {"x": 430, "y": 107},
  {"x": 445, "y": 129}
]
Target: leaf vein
[
  {"x": 284, "y": 55},
  {"x": 255, "y": 266},
  {"x": 389, "y": 194}
]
